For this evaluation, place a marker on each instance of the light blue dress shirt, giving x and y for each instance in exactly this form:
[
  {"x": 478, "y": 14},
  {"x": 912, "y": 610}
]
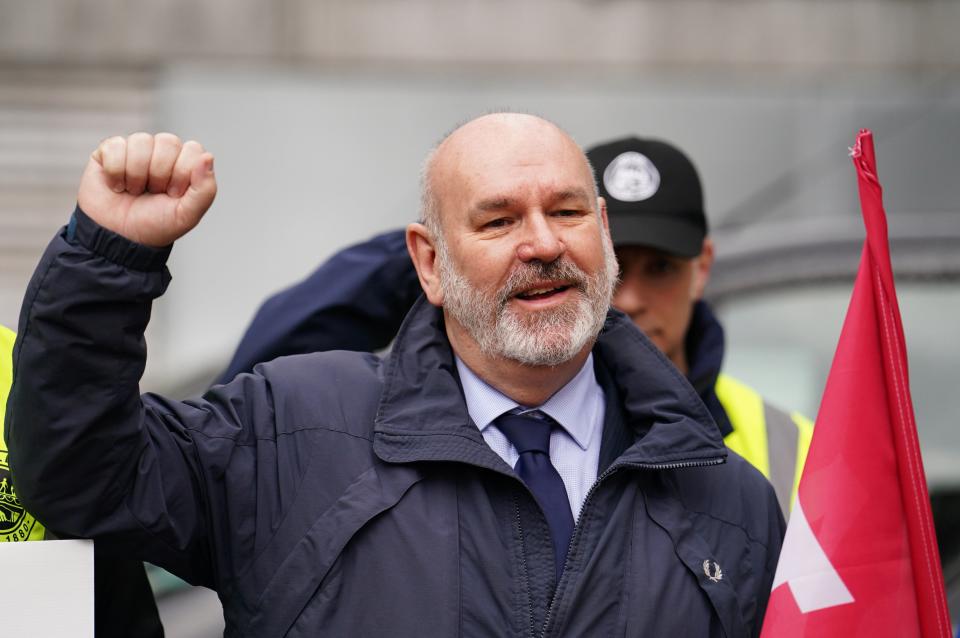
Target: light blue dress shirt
[{"x": 574, "y": 447}]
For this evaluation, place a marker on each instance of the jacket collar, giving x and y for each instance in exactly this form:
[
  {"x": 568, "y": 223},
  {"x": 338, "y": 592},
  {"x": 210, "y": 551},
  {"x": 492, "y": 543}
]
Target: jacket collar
[
  {"x": 422, "y": 415},
  {"x": 705, "y": 346}
]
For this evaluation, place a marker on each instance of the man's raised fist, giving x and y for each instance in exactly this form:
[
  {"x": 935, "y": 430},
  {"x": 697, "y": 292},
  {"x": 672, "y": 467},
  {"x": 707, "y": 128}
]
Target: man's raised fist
[{"x": 152, "y": 189}]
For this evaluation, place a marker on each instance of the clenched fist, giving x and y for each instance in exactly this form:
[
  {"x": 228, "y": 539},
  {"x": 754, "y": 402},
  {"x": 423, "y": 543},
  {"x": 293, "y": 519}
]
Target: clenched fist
[{"x": 151, "y": 189}]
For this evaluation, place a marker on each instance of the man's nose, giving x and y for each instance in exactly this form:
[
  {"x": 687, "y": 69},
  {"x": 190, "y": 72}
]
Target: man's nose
[{"x": 540, "y": 241}]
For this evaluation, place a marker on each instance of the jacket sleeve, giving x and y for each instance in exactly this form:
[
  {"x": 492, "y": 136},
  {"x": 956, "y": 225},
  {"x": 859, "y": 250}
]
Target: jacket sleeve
[
  {"x": 356, "y": 300},
  {"x": 93, "y": 458}
]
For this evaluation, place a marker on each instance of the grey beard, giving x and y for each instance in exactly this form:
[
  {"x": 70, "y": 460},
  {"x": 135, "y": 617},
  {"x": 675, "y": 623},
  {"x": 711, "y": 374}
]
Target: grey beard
[{"x": 543, "y": 338}]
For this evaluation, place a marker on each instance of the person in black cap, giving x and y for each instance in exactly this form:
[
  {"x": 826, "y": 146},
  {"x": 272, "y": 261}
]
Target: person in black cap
[
  {"x": 655, "y": 207},
  {"x": 358, "y": 299},
  {"x": 660, "y": 234}
]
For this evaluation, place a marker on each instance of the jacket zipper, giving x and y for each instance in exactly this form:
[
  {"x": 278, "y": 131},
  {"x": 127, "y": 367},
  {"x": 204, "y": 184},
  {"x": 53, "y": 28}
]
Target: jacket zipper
[
  {"x": 523, "y": 559},
  {"x": 586, "y": 501}
]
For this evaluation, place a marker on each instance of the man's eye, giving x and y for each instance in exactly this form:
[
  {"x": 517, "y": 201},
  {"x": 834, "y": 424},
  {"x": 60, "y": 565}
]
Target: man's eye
[
  {"x": 566, "y": 213},
  {"x": 500, "y": 222},
  {"x": 660, "y": 267}
]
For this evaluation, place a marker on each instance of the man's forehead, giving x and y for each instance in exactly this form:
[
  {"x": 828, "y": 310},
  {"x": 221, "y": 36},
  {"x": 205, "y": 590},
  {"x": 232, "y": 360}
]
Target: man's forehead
[
  {"x": 511, "y": 157},
  {"x": 547, "y": 191}
]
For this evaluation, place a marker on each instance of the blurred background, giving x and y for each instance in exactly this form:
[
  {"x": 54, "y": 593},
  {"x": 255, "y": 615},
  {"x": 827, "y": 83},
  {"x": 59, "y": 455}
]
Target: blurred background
[{"x": 320, "y": 112}]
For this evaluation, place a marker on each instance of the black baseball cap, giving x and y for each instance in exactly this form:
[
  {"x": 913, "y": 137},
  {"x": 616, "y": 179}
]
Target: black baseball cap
[{"x": 653, "y": 194}]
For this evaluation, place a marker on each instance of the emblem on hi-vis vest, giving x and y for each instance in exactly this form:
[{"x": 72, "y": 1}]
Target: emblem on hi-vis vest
[
  {"x": 712, "y": 570},
  {"x": 15, "y": 522}
]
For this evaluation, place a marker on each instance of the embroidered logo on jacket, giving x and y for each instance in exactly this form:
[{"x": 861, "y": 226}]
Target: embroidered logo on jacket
[{"x": 712, "y": 570}]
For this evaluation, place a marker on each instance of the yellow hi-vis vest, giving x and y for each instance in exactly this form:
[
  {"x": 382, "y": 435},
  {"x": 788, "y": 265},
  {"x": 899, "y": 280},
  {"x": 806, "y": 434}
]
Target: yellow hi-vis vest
[
  {"x": 16, "y": 524},
  {"x": 773, "y": 441}
]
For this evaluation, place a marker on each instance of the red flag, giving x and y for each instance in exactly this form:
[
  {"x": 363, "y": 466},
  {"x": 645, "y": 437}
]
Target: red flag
[{"x": 860, "y": 556}]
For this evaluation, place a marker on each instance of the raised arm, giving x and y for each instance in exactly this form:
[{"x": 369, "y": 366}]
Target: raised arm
[{"x": 89, "y": 455}]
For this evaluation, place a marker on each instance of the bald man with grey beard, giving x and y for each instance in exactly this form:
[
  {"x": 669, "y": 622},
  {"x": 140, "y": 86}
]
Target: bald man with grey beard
[{"x": 525, "y": 462}]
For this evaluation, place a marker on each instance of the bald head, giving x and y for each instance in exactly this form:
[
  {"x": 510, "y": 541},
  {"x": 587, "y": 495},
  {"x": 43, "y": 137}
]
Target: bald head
[
  {"x": 487, "y": 146},
  {"x": 516, "y": 248}
]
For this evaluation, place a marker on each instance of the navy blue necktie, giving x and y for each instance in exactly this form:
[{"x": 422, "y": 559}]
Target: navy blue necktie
[{"x": 531, "y": 436}]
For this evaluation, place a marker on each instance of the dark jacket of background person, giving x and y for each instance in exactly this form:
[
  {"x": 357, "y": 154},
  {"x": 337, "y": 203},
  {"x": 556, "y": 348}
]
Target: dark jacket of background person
[
  {"x": 345, "y": 494},
  {"x": 354, "y": 301},
  {"x": 123, "y": 600}
]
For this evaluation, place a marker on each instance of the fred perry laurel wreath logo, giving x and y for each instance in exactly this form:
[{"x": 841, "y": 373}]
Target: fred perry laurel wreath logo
[
  {"x": 631, "y": 177},
  {"x": 15, "y": 523},
  {"x": 712, "y": 570}
]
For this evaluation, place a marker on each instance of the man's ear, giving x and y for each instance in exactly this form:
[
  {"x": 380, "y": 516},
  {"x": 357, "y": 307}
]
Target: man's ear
[
  {"x": 421, "y": 246},
  {"x": 602, "y": 209},
  {"x": 702, "y": 265}
]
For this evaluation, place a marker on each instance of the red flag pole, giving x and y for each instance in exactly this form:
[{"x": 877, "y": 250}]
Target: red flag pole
[{"x": 928, "y": 579}]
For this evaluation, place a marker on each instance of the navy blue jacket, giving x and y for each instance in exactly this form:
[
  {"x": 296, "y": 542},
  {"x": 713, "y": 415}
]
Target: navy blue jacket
[{"x": 341, "y": 494}]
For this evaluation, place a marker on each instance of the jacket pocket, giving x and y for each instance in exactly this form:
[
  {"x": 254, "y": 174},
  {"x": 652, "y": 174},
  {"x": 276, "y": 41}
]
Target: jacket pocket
[
  {"x": 704, "y": 563},
  {"x": 297, "y": 578}
]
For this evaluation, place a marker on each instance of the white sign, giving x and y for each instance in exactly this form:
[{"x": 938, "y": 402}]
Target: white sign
[{"x": 47, "y": 589}]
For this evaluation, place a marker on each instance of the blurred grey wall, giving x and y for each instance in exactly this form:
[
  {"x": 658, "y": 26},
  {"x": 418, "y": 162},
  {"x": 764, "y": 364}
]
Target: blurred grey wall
[
  {"x": 759, "y": 34},
  {"x": 319, "y": 114}
]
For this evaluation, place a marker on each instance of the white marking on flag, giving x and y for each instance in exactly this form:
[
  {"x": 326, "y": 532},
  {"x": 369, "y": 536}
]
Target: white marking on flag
[{"x": 804, "y": 566}]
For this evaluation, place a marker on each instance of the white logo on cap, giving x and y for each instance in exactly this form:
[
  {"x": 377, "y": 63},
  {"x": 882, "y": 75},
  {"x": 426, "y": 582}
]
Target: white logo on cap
[{"x": 631, "y": 177}]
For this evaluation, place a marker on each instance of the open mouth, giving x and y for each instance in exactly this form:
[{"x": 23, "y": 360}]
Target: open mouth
[{"x": 542, "y": 293}]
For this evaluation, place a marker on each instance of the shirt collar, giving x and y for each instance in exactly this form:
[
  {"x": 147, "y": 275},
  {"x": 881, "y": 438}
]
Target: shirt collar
[{"x": 574, "y": 406}]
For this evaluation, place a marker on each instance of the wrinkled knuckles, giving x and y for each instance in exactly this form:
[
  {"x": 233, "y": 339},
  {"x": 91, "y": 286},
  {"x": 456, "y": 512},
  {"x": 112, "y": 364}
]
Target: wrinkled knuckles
[
  {"x": 113, "y": 143},
  {"x": 139, "y": 153},
  {"x": 168, "y": 139},
  {"x": 166, "y": 150},
  {"x": 110, "y": 148},
  {"x": 111, "y": 155},
  {"x": 193, "y": 146}
]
